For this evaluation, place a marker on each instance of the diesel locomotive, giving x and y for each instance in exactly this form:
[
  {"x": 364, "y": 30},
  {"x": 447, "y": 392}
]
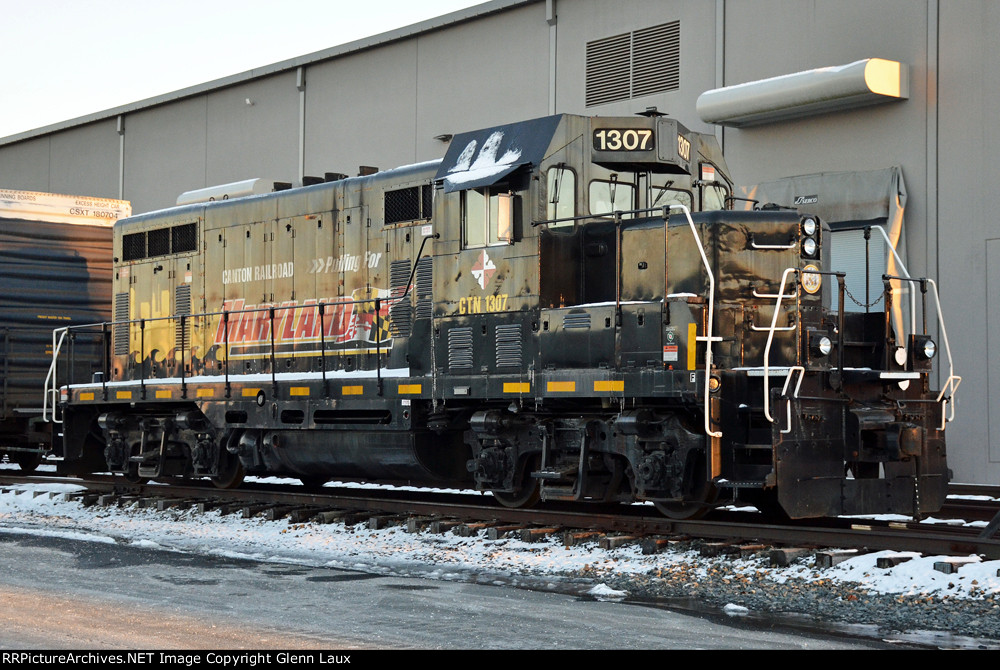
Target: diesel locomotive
[{"x": 566, "y": 308}]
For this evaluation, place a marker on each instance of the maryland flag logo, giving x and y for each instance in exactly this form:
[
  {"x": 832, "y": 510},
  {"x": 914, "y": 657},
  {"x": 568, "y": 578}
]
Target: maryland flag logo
[
  {"x": 371, "y": 327},
  {"x": 352, "y": 324}
]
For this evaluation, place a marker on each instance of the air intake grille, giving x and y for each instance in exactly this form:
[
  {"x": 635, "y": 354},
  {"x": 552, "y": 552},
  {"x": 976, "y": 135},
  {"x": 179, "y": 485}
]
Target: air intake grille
[
  {"x": 509, "y": 346},
  {"x": 133, "y": 246},
  {"x": 460, "y": 349},
  {"x": 399, "y": 314},
  {"x": 424, "y": 283},
  {"x": 634, "y": 64},
  {"x": 581, "y": 320},
  {"x": 184, "y": 238},
  {"x": 408, "y": 204},
  {"x": 182, "y": 307},
  {"x": 161, "y": 242},
  {"x": 120, "y": 333}
]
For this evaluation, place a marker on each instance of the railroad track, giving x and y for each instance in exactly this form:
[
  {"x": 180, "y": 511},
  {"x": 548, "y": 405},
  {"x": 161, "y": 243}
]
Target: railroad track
[{"x": 610, "y": 525}]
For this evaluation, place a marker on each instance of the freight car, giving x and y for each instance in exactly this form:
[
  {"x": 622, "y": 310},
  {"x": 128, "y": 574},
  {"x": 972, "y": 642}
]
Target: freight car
[
  {"x": 563, "y": 308},
  {"x": 54, "y": 271}
]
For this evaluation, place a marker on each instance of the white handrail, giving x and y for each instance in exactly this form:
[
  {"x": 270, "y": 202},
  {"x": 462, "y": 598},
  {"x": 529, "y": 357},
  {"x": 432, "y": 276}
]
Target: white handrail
[
  {"x": 953, "y": 380},
  {"x": 906, "y": 273},
  {"x": 707, "y": 339},
  {"x": 767, "y": 347},
  {"x": 784, "y": 390},
  {"x": 51, "y": 387}
]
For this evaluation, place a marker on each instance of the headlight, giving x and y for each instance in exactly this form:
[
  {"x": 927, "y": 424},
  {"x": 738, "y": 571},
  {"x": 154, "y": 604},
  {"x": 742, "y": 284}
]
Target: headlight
[
  {"x": 929, "y": 349},
  {"x": 821, "y": 344},
  {"x": 809, "y": 226},
  {"x": 809, "y": 246}
]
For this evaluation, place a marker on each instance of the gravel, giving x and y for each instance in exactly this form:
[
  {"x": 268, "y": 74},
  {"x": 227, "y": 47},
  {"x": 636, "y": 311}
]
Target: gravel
[{"x": 816, "y": 602}]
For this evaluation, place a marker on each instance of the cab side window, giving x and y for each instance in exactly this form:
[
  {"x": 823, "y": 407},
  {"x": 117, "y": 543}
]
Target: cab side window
[
  {"x": 487, "y": 217},
  {"x": 561, "y": 200}
]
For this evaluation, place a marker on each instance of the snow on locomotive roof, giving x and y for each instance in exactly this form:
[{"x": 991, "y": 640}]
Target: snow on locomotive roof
[{"x": 58, "y": 208}]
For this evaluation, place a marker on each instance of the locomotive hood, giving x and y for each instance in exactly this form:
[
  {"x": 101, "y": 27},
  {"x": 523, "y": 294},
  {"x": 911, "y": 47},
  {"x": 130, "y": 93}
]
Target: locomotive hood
[{"x": 483, "y": 157}]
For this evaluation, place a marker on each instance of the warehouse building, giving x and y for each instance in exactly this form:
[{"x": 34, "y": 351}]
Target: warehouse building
[{"x": 861, "y": 112}]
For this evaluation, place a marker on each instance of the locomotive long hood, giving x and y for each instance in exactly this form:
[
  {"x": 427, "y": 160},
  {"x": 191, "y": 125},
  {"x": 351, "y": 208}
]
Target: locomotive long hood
[{"x": 483, "y": 157}]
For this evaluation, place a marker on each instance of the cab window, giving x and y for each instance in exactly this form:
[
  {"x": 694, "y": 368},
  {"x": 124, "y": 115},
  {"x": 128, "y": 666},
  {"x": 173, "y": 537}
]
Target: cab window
[
  {"x": 661, "y": 195},
  {"x": 487, "y": 217},
  {"x": 607, "y": 197},
  {"x": 561, "y": 200}
]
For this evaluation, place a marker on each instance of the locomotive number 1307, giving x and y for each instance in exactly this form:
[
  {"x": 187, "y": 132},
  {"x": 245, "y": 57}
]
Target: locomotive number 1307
[{"x": 624, "y": 139}]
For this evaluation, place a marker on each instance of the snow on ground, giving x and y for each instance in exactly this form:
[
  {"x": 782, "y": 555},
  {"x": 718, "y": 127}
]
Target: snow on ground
[{"x": 31, "y": 509}]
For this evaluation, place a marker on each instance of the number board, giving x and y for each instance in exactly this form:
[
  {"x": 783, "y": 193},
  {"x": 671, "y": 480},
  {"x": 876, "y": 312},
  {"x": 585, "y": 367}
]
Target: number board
[{"x": 624, "y": 139}]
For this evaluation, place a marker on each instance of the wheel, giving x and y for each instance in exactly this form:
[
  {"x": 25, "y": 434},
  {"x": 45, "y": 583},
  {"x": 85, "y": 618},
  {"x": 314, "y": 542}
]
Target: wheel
[
  {"x": 699, "y": 495},
  {"x": 28, "y": 461},
  {"x": 528, "y": 492},
  {"x": 690, "y": 508},
  {"x": 231, "y": 471}
]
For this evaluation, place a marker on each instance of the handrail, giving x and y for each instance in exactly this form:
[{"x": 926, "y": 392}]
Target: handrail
[
  {"x": 795, "y": 394},
  {"x": 953, "y": 380},
  {"x": 50, "y": 378},
  {"x": 906, "y": 274},
  {"x": 50, "y": 392},
  {"x": 770, "y": 338},
  {"x": 707, "y": 338}
]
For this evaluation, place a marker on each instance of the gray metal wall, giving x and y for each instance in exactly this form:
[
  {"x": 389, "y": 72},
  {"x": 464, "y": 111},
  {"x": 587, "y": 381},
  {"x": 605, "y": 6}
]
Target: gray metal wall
[{"x": 382, "y": 102}]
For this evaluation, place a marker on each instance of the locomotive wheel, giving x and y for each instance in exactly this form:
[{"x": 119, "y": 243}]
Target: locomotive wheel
[
  {"x": 689, "y": 509},
  {"x": 697, "y": 502},
  {"x": 528, "y": 493},
  {"x": 231, "y": 471},
  {"x": 28, "y": 461}
]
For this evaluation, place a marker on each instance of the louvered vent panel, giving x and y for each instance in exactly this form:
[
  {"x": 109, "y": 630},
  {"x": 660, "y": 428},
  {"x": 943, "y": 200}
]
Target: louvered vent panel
[
  {"x": 634, "y": 64},
  {"x": 460, "y": 349},
  {"x": 399, "y": 314},
  {"x": 577, "y": 321},
  {"x": 424, "y": 283},
  {"x": 509, "y": 346},
  {"x": 120, "y": 334},
  {"x": 182, "y": 307},
  {"x": 656, "y": 59},
  {"x": 608, "y": 70}
]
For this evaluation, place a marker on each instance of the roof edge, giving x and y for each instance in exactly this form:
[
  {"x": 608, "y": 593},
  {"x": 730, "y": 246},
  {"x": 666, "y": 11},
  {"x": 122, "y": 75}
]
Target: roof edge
[{"x": 412, "y": 30}]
